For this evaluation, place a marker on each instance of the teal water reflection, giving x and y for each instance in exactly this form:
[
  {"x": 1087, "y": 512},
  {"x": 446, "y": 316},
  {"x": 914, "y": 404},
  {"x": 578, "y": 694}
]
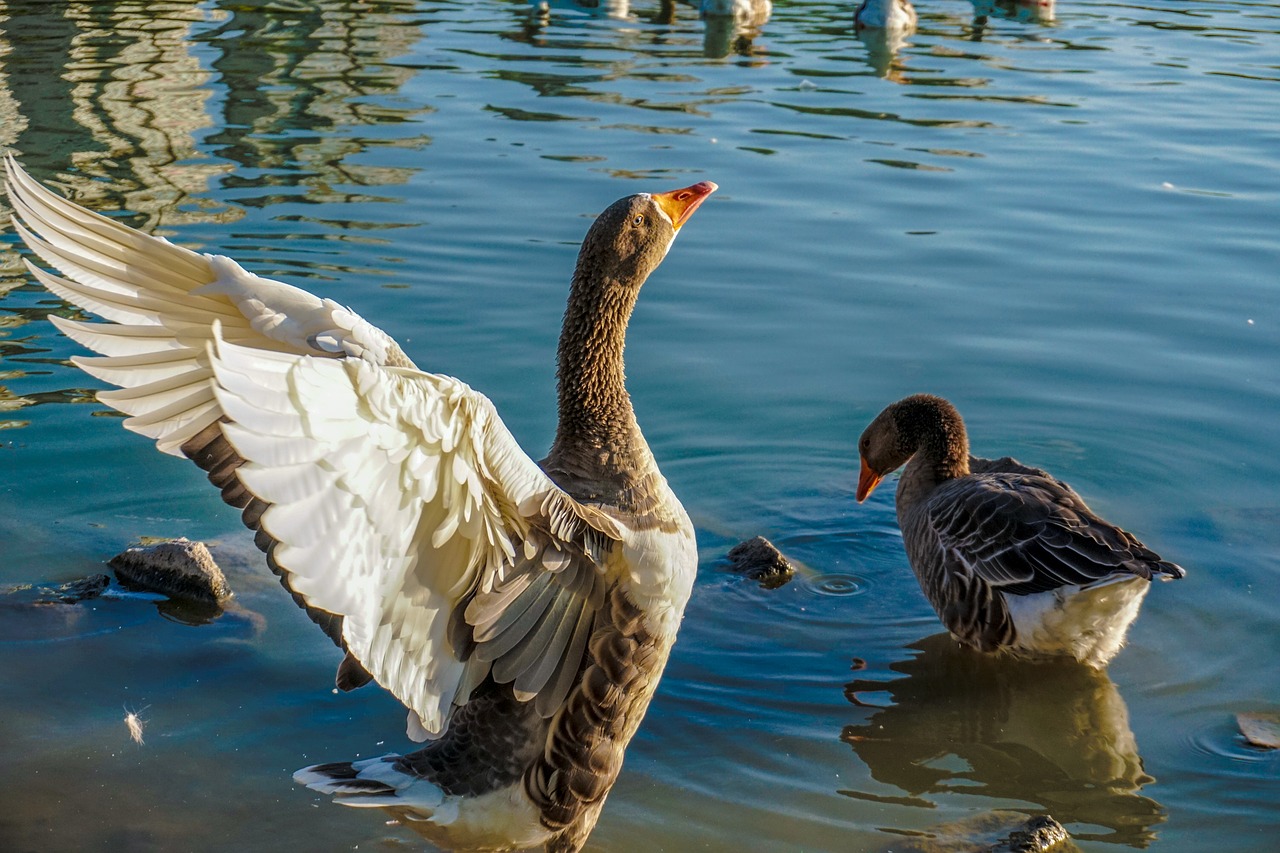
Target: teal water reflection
[{"x": 1067, "y": 226}]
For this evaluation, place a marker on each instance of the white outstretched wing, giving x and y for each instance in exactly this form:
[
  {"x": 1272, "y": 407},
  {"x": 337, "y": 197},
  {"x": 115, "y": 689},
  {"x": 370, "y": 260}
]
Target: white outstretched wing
[
  {"x": 399, "y": 500},
  {"x": 395, "y": 505},
  {"x": 161, "y": 300}
]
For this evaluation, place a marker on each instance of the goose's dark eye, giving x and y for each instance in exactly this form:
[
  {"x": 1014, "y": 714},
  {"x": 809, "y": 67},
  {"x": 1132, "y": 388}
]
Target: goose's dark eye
[{"x": 638, "y": 221}]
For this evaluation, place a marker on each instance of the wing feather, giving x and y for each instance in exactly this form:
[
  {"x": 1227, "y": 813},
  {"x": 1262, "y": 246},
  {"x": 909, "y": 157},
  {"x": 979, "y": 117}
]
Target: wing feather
[
  {"x": 140, "y": 369},
  {"x": 513, "y": 665},
  {"x": 552, "y": 696},
  {"x": 84, "y": 229},
  {"x": 535, "y": 670},
  {"x": 111, "y": 304},
  {"x": 493, "y": 614},
  {"x": 1025, "y": 533},
  {"x": 148, "y": 397},
  {"x": 518, "y": 621},
  {"x": 175, "y": 416},
  {"x": 394, "y": 504},
  {"x": 120, "y": 341},
  {"x": 376, "y": 521}
]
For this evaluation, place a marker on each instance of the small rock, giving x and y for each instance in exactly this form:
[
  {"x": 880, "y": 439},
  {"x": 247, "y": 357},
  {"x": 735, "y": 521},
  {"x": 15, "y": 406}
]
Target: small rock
[
  {"x": 759, "y": 560},
  {"x": 999, "y": 831},
  {"x": 71, "y": 592},
  {"x": 178, "y": 568},
  {"x": 1261, "y": 730},
  {"x": 1039, "y": 835},
  {"x": 82, "y": 590}
]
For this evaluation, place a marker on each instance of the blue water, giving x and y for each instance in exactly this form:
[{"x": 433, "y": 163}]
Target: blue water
[{"x": 1068, "y": 227}]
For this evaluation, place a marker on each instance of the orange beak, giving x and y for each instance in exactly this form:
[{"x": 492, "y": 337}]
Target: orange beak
[
  {"x": 867, "y": 481},
  {"x": 679, "y": 205}
]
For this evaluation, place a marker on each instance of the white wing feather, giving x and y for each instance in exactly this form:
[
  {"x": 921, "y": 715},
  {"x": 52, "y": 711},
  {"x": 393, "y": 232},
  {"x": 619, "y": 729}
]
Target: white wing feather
[
  {"x": 394, "y": 498},
  {"x": 165, "y": 299}
]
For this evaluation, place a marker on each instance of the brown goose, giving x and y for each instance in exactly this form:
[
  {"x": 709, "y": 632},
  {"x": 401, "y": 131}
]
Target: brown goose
[
  {"x": 522, "y": 611},
  {"x": 1010, "y": 558}
]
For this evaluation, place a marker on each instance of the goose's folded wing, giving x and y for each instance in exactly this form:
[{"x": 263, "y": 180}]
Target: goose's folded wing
[
  {"x": 161, "y": 301},
  {"x": 1009, "y": 465},
  {"x": 399, "y": 501},
  {"x": 1026, "y": 534}
]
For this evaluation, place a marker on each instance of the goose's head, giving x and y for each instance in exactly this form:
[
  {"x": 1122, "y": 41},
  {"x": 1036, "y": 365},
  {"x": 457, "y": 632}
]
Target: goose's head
[
  {"x": 882, "y": 449},
  {"x": 632, "y": 236},
  {"x": 921, "y": 423},
  {"x": 624, "y": 245}
]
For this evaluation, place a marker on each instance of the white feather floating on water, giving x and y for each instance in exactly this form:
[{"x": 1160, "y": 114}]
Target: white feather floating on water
[{"x": 133, "y": 722}]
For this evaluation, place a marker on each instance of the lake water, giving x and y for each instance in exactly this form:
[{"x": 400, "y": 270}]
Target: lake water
[{"x": 1069, "y": 227}]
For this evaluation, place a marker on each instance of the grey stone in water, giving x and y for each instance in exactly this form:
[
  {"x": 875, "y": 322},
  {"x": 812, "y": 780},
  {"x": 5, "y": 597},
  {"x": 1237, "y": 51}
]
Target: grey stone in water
[
  {"x": 759, "y": 560},
  {"x": 1260, "y": 729},
  {"x": 83, "y": 589},
  {"x": 178, "y": 568},
  {"x": 71, "y": 592},
  {"x": 1038, "y": 835},
  {"x": 997, "y": 831}
]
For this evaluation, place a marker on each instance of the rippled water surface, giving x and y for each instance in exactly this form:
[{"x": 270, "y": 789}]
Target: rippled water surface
[{"x": 1066, "y": 224}]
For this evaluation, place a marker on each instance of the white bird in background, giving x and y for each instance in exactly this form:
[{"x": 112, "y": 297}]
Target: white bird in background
[
  {"x": 753, "y": 13},
  {"x": 895, "y": 16},
  {"x": 522, "y": 611},
  {"x": 1023, "y": 11}
]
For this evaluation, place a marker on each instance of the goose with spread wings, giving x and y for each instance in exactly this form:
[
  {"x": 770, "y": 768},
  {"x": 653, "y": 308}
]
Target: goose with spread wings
[
  {"x": 523, "y": 612},
  {"x": 1011, "y": 558}
]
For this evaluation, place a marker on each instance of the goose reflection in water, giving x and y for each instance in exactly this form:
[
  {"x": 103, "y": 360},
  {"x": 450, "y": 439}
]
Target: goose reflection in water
[
  {"x": 884, "y": 27},
  {"x": 732, "y": 26},
  {"x": 1053, "y": 733},
  {"x": 1022, "y": 11},
  {"x": 883, "y": 47},
  {"x": 597, "y": 8}
]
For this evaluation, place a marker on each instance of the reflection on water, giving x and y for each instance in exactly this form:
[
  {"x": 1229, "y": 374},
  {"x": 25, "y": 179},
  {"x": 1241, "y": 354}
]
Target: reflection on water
[
  {"x": 882, "y": 48},
  {"x": 1056, "y": 734},
  {"x": 96, "y": 82},
  {"x": 980, "y": 201},
  {"x": 732, "y": 26},
  {"x": 620, "y": 9},
  {"x": 274, "y": 88},
  {"x": 1023, "y": 11},
  {"x": 299, "y": 78},
  {"x": 726, "y": 35}
]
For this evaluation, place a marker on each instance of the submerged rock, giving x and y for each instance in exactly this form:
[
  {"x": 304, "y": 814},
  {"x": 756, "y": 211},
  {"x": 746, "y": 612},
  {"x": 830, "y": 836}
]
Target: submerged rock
[
  {"x": 178, "y": 568},
  {"x": 82, "y": 589},
  {"x": 1260, "y": 730},
  {"x": 71, "y": 592},
  {"x": 1038, "y": 835},
  {"x": 759, "y": 560},
  {"x": 992, "y": 832}
]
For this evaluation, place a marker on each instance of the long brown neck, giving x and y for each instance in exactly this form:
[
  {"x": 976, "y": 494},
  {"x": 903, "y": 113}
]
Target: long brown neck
[
  {"x": 935, "y": 429},
  {"x": 597, "y": 434}
]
